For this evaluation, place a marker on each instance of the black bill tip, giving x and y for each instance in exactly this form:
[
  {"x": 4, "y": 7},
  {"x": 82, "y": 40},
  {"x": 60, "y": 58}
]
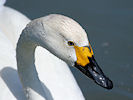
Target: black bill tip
[
  {"x": 103, "y": 81},
  {"x": 109, "y": 84},
  {"x": 93, "y": 71}
]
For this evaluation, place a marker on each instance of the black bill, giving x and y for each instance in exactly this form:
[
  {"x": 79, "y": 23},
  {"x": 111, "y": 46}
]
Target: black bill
[{"x": 93, "y": 71}]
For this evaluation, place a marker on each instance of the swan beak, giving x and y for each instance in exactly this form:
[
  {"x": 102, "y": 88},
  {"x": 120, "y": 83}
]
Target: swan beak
[{"x": 88, "y": 66}]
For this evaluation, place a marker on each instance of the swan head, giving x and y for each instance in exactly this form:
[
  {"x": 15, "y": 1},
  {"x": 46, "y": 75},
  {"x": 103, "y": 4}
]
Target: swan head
[{"x": 67, "y": 40}]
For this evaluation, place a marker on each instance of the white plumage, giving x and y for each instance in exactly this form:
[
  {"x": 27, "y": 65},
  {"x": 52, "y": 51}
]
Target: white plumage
[
  {"x": 59, "y": 83},
  {"x": 35, "y": 67}
]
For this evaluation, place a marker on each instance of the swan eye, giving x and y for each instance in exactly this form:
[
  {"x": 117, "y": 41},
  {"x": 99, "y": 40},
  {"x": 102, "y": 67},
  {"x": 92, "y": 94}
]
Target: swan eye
[{"x": 70, "y": 43}]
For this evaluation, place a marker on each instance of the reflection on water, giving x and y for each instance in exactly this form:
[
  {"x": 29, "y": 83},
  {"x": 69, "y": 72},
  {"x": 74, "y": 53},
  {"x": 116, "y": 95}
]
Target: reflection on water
[{"x": 109, "y": 25}]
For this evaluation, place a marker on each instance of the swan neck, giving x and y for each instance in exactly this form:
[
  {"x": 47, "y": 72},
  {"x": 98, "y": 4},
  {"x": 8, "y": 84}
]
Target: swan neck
[{"x": 27, "y": 71}]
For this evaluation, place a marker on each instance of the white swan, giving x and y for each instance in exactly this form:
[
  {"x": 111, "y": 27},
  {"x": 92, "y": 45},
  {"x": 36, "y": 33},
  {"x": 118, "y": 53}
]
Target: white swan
[
  {"x": 11, "y": 24},
  {"x": 51, "y": 32},
  {"x": 64, "y": 38}
]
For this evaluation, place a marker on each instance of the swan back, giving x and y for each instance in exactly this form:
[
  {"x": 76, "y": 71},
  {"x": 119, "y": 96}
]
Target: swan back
[
  {"x": 2, "y": 2},
  {"x": 12, "y": 23},
  {"x": 7, "y": 52},
  {"x": 7, "y": 66}
]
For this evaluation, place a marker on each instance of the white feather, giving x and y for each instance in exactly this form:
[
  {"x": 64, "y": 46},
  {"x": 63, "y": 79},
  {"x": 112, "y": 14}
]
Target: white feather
[{"x": 57, "y": 79}]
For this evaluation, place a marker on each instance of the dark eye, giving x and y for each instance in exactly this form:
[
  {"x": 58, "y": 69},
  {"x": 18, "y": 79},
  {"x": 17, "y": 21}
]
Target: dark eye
[{"x": 70, "y": 43}]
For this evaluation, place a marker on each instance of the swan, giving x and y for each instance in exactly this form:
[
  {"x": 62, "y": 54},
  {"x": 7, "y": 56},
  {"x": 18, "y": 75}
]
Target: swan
[
  {"x": 64, "y": 38},
  {"x": 64, "y": 41},
  {"x": 12, "y": 23}
]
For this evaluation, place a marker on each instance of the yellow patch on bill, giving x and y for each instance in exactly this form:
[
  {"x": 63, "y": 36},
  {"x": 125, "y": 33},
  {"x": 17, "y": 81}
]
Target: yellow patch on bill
[{"x": 82, "y": 54}]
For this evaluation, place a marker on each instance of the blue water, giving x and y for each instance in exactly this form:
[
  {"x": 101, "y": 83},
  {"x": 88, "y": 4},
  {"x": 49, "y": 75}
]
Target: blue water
[{"x": 109, "y": 24}]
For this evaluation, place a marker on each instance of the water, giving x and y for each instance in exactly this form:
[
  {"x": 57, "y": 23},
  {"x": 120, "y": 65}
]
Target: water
[{"x": 110, "y": 28}]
